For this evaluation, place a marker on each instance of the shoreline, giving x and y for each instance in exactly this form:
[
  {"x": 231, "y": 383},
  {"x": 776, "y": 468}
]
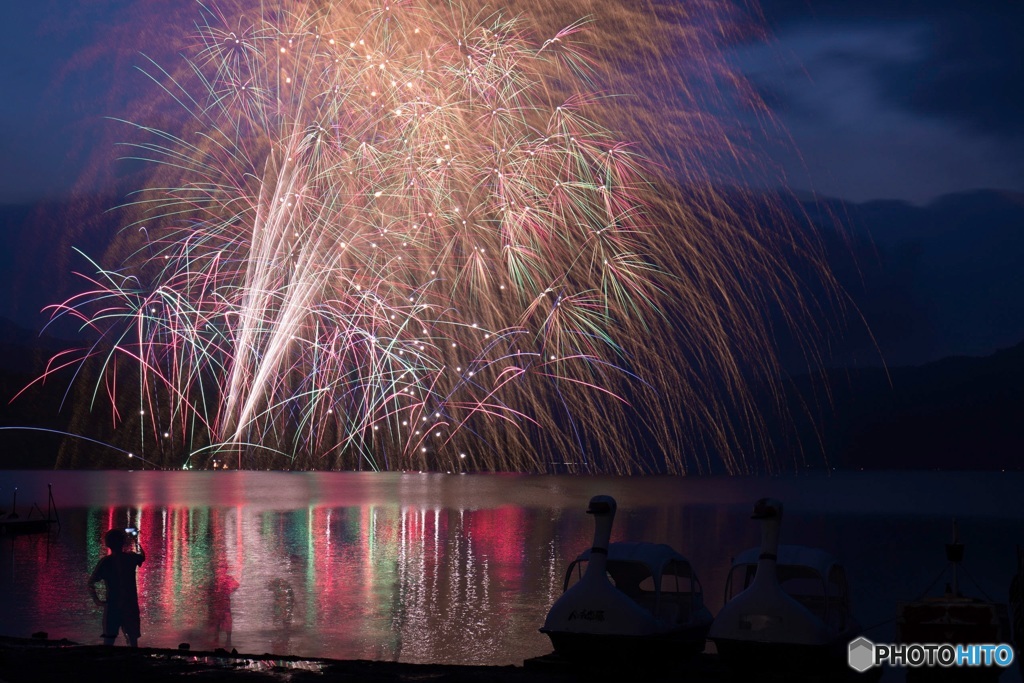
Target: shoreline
[
  {"x": 34, "y": 660},
  {"x": 30, "y": 660}
]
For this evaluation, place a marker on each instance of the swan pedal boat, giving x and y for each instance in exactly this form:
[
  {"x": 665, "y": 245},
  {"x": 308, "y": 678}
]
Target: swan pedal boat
[
  {"x": 785, "y": 605},
  {"x": 627, "y": 601}
]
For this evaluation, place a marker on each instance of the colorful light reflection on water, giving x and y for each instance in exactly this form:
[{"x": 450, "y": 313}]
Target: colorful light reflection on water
[
  {"x": 451, "y": 569},
  {"x": 384, "y": 579}
]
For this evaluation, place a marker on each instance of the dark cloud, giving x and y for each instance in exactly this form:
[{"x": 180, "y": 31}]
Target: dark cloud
[
  {"x": 892, "y": 99},
  {"x": 972, "y": 74},
  {"x": 969, "y": 68}
]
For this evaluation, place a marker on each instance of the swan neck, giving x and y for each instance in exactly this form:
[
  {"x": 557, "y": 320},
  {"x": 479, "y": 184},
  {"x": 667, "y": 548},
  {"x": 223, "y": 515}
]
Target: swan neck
[
  {"x": 603, "y": 520},
  {"x": 767, "y": 561}
]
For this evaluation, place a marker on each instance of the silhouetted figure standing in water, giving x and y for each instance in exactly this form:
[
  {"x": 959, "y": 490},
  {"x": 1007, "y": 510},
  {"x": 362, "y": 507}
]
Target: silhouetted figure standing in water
[
  {"x": 117, "y": 572},
  {"x": 221, "y": 589}
]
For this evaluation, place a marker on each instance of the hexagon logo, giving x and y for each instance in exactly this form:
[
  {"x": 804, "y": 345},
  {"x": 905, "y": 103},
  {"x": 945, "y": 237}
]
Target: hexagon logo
[{"x": 861, "y": 655}]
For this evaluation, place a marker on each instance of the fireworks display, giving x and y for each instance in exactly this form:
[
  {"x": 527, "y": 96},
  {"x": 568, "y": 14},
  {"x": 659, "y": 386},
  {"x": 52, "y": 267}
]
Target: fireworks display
[{"x": 438, "y": 236}]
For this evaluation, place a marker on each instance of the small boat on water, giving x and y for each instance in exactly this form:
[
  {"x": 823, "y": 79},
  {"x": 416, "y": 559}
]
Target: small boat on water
[
  {"x": 12, "y": 524},
  {"x": 953, "y": 617},
  {"x": 786, "y": 606},
  {"x": 627, "y": 601}
]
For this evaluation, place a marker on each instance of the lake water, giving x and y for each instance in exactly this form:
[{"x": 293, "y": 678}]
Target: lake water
[{"x": 459, "y": 568}]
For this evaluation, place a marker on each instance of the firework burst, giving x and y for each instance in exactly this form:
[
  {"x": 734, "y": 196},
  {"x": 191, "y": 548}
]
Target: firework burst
[{"x": 403, "y": 236}]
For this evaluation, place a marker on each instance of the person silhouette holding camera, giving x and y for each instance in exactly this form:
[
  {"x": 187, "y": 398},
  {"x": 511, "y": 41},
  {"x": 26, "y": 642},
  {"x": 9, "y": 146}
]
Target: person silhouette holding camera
[{"x": 117, "y": 572}]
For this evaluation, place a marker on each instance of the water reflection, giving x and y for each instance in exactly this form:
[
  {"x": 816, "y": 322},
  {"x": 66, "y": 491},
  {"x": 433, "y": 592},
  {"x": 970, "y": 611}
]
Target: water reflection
[
  {"x": 387, "y": 582},
  {"x": 442, "y": 569}
]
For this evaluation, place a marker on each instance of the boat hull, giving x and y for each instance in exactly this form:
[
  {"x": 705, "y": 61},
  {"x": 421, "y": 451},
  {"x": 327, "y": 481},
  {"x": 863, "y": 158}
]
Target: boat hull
[
  {"x": 798, "y": 657},
  {"x": 20, "y": 527},
  {"x": 952, "y": 620},
  {"x": 609, "y": 647},
  {"x": 957, "y": 620}
]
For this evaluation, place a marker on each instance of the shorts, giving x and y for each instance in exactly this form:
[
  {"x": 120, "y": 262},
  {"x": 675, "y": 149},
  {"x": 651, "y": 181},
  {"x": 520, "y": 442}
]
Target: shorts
[{"x": 121, "y": 619}]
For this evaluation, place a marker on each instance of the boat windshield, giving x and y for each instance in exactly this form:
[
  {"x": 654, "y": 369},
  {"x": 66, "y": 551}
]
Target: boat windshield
[
  {"x": 825, "y": 598},
  {"x": 680, "y": 593}
]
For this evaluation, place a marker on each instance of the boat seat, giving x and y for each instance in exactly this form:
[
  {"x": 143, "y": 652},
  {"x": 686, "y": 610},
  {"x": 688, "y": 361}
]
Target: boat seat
[
  {"x": 814, "y": 603},
  {"x": 831, "y": 610},
  {"x": 668, "y": 612}
]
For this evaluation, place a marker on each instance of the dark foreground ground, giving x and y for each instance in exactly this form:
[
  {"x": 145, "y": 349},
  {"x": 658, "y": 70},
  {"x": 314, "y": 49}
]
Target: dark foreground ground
[
  {"x": 37, "y": 661},
  {"x": 34, "y": 661}
]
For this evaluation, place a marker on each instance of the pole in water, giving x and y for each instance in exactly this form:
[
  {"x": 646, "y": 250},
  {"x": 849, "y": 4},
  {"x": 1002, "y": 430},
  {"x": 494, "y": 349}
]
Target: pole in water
[{"x": 52, "y": 505}]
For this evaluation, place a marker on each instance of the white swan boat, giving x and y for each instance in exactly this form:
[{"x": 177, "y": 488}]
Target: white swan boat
[
  {"x": 627, "y": 600},
  {"x": 785, "y": 605}
]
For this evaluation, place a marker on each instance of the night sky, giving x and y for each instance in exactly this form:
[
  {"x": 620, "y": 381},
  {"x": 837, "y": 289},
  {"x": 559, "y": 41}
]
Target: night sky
[
  {"x": 898, "y": 99},
  {"x": 918, "y": 103}
]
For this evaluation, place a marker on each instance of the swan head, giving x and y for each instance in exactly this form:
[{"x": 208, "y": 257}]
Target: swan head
[
  {"x": 767, "y": 508},
  {"x": 601, "y": 505}
]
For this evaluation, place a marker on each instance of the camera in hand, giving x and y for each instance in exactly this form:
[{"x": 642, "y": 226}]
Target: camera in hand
[{"x": 132, "y": 531}]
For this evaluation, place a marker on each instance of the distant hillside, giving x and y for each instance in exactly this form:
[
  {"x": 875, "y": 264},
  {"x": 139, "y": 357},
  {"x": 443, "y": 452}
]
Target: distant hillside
[
  {"x": 37, "y": 253},
  {"x": 930, "y": 281},
  {"x": 957, "y": 413},
  {"x": 23, "y": 357}
]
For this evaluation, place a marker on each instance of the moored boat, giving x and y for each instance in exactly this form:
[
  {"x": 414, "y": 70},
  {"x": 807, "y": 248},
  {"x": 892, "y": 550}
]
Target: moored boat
[
  {"x": 632, "y": 601},
  {"x": 955, "y": 618},
  {"x": 12, "y": 524},
  {"x": 786, "y": 606}
]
